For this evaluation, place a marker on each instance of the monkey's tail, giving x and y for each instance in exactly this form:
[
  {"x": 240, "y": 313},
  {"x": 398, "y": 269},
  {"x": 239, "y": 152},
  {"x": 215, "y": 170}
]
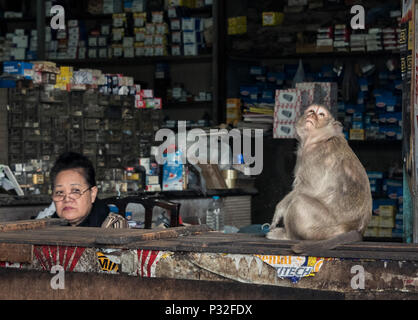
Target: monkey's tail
[{"x": 309, "y": 246}]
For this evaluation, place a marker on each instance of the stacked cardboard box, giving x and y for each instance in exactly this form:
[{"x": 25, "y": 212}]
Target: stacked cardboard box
[
  {"x": 341, "y": 38},
  {"x": 324, "y": 39},
  {"x": 387, "y": 218},
  {"x": 287, "y": 109}
]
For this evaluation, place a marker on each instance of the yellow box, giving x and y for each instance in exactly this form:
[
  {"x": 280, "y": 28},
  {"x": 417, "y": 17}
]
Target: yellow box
[
  {"x": 387, "y": 211},
  {"x": 233, "y": 110},
  {"x": 356, "y": 134},
  {"x": 387, "y": 222},
  {"x": 374, "y": 222},
  {"x": 272, "y": 19},
  {"x": 65, "y": 70},
  {"x": 237, "y": 25},
  {"x": 371, "y": 232},
  {"x": 38, "y": 178},
  {"x": 385, "y": 232}
]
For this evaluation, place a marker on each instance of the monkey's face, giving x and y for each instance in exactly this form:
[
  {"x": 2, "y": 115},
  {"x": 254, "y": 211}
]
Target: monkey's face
[{"x": 315, "y": 117}]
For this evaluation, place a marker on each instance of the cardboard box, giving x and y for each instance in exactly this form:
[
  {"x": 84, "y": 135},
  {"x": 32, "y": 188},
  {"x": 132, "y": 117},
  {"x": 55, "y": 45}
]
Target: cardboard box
[
  {"x": 272, "y": 18},
  {"x": 173, "y": 172},
  {"x": 387, "y": 211},
  {"x": 191, "y": 24},
  {"x": 284, "y": 130},
  {"x": 286, "y": 112},
  {"x": 357, "y": 134}
]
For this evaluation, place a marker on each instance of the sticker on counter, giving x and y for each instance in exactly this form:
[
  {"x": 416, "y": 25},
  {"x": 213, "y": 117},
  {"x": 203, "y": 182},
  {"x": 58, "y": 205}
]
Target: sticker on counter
[
  {"x": 294, "y": 267},
  {"x": 108, "y": 263}
]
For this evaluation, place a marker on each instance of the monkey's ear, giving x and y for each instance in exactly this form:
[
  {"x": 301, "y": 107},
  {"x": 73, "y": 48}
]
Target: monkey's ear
[{"x": 338, "y": 127}]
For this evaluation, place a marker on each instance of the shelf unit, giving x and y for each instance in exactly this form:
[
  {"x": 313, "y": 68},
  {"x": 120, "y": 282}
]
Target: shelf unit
[
  {"x": 246, "y": 50},
  {"x": 215, "y": 11}
]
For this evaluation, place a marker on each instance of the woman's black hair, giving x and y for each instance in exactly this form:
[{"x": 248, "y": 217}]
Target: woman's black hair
[{"x": 73, "y": 160}]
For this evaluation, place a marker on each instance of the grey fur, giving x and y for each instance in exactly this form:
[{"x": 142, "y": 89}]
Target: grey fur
[{"x": 331, "y": 202}]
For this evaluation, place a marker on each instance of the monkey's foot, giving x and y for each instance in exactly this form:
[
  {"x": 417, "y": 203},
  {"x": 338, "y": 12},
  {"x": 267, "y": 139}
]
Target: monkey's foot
[{"x": 277, "y": 234}]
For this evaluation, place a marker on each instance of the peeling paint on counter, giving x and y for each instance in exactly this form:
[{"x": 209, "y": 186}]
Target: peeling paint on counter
[{"x": 273, "y": 270}]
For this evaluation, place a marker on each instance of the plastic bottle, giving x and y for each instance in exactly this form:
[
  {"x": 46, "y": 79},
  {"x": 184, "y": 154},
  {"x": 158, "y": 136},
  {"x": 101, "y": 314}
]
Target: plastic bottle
[
  {"x": 113, "y": 208},
  {"x": 215, "y": 214}
]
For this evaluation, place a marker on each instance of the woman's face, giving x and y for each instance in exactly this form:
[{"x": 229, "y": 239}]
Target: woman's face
[{"x": 72, "y": 184}]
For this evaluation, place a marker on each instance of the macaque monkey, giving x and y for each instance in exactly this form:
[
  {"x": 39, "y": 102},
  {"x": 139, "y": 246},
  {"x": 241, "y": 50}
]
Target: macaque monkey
[{"x": 330, "y": 203}]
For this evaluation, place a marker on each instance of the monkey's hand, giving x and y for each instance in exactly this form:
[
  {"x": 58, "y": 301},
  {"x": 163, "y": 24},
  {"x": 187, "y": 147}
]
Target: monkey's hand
[{"x": 277, "y": 234}]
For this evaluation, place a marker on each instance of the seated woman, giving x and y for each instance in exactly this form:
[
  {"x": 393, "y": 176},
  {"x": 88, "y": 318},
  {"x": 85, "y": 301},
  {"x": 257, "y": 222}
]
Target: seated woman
[{"x": 74, "y": 193}]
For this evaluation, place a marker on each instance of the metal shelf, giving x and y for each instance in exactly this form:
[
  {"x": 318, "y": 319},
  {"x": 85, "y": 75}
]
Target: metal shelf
[
  {"x": 188, "y": 104},
  {"x": 206, "y": 58}
]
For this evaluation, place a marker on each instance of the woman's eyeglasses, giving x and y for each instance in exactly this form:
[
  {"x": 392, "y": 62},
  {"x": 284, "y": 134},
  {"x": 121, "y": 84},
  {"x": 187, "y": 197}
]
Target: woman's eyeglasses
[{"x": 74, "y": 195}]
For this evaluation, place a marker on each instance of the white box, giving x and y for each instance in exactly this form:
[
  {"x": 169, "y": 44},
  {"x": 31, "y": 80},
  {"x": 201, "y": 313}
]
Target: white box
[
  {"x": 286, "y": 112},
  {"x": 129, "y": 52},
  {"x": 92, "y": 53},
  {"x": 19, "y": 32},
  {"x": 128, "y": 42},
  {"x": 172, "y": 12},
  {"x": 190, "y": 49},
  {"x": 140, "y": 37},
  {"x": 72, "y": 42},
  {"x": 20, "y": 41},
  {"x": 72, "y": 23},
  {"x": 103, "y": 53},
  {"x": 175, "y": 24},
  {"x": 175, "y": 50},
  {"x": 138, "y": 5},
  {"x": 157, "y": 17},
  {"x": 105, "y": 29},
  {"x": 284, "y": 131},
  {"x": 92, "y": 41},
  {"x": 176, "y": 37},
  {"x": 191, "y": 24},
  {"x": 102, "y": 41},
  {"x": 18, "y": 53},
  {"x": 192, "y": 37}
]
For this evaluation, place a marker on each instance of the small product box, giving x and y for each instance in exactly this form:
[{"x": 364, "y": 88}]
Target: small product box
[
  {"x": 24, "y": 69},
  {"x": 190, "y": 49},
  {"x": 173, "y": 172},
  {"x": 191, "y": 24},
  {"x": 357, "y": 134}
]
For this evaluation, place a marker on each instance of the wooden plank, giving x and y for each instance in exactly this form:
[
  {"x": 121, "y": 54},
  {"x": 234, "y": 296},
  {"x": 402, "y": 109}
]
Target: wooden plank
[
  {"x": 148, "y": 234},
  {"x": 16, "y": 252},
  {"x": 29, "y": 224}
]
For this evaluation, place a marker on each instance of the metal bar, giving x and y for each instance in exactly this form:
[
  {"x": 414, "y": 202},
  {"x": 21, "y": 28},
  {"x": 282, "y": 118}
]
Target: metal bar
[
  {"x": 40, "y": 27},
  {"x": 215, "y": 61}
]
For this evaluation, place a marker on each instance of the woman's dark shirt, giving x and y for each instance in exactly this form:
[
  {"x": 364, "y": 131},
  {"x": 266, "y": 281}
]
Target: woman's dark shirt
[{"x": 98, "y": 214}]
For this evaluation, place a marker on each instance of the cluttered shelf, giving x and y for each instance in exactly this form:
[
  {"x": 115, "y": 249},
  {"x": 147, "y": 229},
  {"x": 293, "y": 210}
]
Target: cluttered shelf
[
  {"x": 27, "y": 200},
  {"x": 317, "y": 55},
  {"x": 396, "y": 144},
  {"x": 202, "y": 11}
]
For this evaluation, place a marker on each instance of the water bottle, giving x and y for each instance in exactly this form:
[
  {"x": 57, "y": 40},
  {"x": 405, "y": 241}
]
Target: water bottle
[{"x": 215, "y": 214}]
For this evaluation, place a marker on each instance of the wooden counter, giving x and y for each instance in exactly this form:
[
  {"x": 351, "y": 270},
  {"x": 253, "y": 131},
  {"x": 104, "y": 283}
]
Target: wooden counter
[{"x": 194, "y": 253}]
